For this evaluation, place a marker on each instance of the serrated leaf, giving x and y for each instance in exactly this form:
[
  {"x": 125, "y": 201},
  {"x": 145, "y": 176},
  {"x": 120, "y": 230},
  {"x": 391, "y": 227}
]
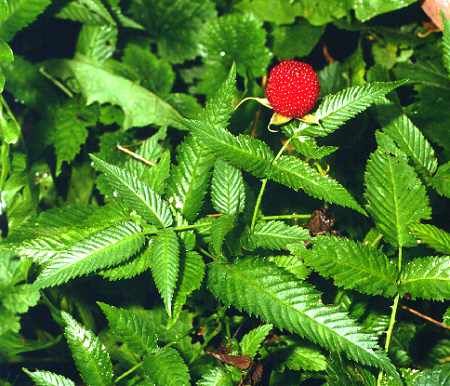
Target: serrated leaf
[
  {"x": 297, "y": 174},
  {"x": 227, "y": 188},
  {"x": 135, "y": 194},
  {"x": 292, "y": 264},
  {"x": 188, "y": 182},
  {"x": 308, "y": 147},
  {"x": 128, "y": 270},
  {"x": 90, "y": 355},
  {"x": 131, "y": 328},
  {"x": 412, "y": 142},
  {"x": 154, "y": 74},
  {"x": 165, "y": 263},
  {"x": 69, "y": 123},
  {"x": 275, "y": 295},
  {"x": 252, "y": 341},
  {"x": 232, "y": 38},
  {"x": 423, "y": 73},
  {"x": 275, "y": 235},
  {"x": 47, "y": 378},
  {"x": 306, "y": 358},
  {"x": 165, "y": 367},
  {"x": 431, "y": 235},
  {"x": 427, "y": 278},
  {"x": 441, "y": 180},
  {"x": 97, "y": 42},
  {"x": 219, "y": 230},
  {"x": 100, "y": 250},
  {"x": 367, "y": 9},
  {"x": 140, "y": 106},
  {"x": 216, "y": 377},
  {"x": 438, "y": 375},
  {"x": 18, "y": 14},
  {"x": 396, "y": 199},
  {"x": 243, "y": 151},
  {"x": 337, "y": 109},
  {"x": 353, "y": 265},
  {"x": 87, "y": 12},
  {"x": 192, "y": 271},
  {"x": 174, "y": 25}
]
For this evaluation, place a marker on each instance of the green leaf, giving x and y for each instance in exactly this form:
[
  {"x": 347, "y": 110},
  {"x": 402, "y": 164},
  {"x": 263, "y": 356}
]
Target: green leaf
[
  {"x": 297, "y": 174},
  {"x": 174, "y": 25},
  {"x": 281, "y": 12},
  {"x": 252, "y": 341},
  {"x": 192, "y": 271},
  {"x": 189, "y": 179},
  {"x": 18, "y": 14},
  {"x": 278, "y": 297},
  {"x": 396, "y": 199},
  {"x": 216, "y": 377},
  {"x": 165, "y": 265},
  {"x": 423, "y": 73},
  {"x": 128, "y": 270},
  {"x": 367, "y": 9},
  {"x": 131, "y": 328},
  {"x": 154, "y": 74},
  {"x": 134, "y": 194},
  {"x": 292, "y": 264},
  {"x": 243, "y": 151},
  {"x": 441, "y": 180},
  {"x": 69, "y": 123},
  {"x": 337, "y": 109},
  {"x": 100, "y": 250},
  {"x": 87, "y": 12},
  {"x": 446, "y": 44},
  {"x": 438, "y": 375},
  {"x": 434, "y": 237},
  {"x": 427, "y": 278},
  {"x": 297, "y": 40},
  {"x": 412, "y": 142},
  {"x": 306, "y": 358},
  {"x": 90, "y": 355},
  {"x": 97, "y": 42},
  {"x": 353, "y": 265},
  {"x": 219, "y": 230},
  {"x": 308, "y": 147},
  {"x": 47, "y": 378},
  {"x": 227, "y": 188},
  {"x": 140, "y": 106},
  {"x": 232, "y": 38},
  {"x": 165, "y": 367},
  {"x": 275, "y": 235}
]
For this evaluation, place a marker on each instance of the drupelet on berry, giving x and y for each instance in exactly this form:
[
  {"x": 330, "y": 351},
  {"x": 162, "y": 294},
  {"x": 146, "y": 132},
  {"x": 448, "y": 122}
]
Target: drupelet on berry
[{"x": 292, "y": 88}]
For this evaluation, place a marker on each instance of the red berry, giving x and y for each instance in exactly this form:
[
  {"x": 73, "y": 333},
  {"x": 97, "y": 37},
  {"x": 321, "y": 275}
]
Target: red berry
[{"x": 292, "y": 88}]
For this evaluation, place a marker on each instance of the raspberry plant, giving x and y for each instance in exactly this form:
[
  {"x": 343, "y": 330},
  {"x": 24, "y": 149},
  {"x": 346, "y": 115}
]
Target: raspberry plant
[{"x": 154, "y": 232}]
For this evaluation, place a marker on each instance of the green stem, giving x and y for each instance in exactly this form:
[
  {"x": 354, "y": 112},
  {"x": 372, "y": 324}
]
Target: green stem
[
  {"x": 393, "y": 317},
  {"x": 293, "y": 216},
  {"x": 128, "y": 372},
  {"x": 183, "y": 228},
  {"x": 262, "y": 189}
]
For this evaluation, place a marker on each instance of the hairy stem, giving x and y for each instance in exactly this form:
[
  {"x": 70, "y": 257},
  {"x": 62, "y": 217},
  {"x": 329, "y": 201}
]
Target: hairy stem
[{"x": 262, "y": 189}]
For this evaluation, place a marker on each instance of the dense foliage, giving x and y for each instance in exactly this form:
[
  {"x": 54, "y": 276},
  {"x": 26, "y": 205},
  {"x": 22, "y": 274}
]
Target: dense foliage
[{"x": 155, "y": 232}]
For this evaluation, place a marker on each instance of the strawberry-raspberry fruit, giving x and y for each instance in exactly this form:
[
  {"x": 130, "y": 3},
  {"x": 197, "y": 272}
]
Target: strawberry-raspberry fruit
[{"x": 292, "y": 88}]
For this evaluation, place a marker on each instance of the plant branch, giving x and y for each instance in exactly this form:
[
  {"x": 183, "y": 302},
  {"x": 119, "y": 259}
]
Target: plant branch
[
  {"x": 262, "y": 189},
  {"x": 128, "y": 372},
  {"x": 425, "y": 317},
  {"x": 293, "y": 216},
  {"x": 393, "y": 317},
  {"x": 135, "y": 155}
]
